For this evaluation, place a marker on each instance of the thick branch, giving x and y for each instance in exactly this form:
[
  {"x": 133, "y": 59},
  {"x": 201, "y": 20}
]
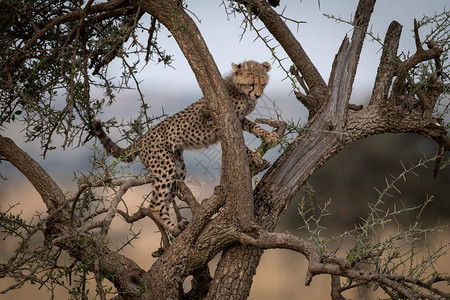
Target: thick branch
[
  {"x": 301, "y": 159},
  {"x": 270, "y": 240},
  {"x": 388, "y": 60},
  {"x": 124, "y": 273},
  {"x": 345, "y": 64},
  {"x": 418, "y": 57},
  {"x": 50, "y": 192},
  {"x": 335, "y": 288}
]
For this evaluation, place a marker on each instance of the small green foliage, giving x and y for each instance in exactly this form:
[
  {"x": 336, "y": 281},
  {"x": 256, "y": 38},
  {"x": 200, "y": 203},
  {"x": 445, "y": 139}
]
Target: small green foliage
[
  {"x": 12, "y": 225},
  {"x": 47, "y": 83}
]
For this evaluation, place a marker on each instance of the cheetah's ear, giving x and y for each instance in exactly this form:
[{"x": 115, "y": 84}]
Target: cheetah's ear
[
  {"x": 235, "y": 67},
  {"x": 266, "y": 66}
]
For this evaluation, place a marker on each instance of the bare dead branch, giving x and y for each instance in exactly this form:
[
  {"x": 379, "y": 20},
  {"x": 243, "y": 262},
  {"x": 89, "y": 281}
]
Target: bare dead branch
[
  {"x": 124, "y": 184},
  {"x": 388, "y": 61},
  {"x": 419, "y": 57},
  {"x": 416, "y": 37},
  {"x": 98, "y": 281},
  {"x": 433, "y": 44},
  {"x": 435, "y": 86},
  {"x": 269, "y": 240},
  {"x": 140, "y": 214},
  {"x": 333, "y": 265},
  {"x": 312, "y": 104},
  {"x": 346, "y": 62}
]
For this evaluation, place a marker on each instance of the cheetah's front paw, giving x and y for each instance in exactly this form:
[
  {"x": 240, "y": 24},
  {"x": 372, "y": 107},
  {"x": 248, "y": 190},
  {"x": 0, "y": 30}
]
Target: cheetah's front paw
[
  {"x": 256, "y": 162},
  {"x": 255, "y": 159},
  {"x": 271, "y": 138}
]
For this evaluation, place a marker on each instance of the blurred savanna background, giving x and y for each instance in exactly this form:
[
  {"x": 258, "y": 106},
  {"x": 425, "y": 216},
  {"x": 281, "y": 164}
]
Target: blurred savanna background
[{"x": 344, "y": 188}]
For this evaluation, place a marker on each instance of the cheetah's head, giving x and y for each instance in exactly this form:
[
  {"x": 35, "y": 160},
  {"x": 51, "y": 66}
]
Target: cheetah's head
[{"x": 251, "y": 77}]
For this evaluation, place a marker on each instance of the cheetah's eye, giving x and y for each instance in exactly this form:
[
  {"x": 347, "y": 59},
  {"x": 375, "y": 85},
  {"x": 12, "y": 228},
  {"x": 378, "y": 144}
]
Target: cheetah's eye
[{"x": 251, "y": 85}]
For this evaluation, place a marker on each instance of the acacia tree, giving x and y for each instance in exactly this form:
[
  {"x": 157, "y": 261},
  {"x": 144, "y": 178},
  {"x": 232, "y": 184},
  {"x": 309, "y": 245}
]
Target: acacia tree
[{"x": 53, "y": 46}]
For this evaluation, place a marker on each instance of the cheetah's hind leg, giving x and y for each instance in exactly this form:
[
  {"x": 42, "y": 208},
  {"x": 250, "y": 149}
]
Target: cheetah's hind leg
[
  {"x": 161, "y": 164},
  {"x": 180, "y": 174},
  {"x": 159, "y": 205}
]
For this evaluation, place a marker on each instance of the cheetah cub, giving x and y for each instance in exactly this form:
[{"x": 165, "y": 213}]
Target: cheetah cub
[{"x": 161, "y": 148}]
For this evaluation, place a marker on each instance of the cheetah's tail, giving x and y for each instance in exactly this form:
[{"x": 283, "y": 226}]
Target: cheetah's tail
[{"x": 128, "y": 154}]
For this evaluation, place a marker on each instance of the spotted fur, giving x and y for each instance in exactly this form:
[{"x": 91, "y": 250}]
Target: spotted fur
[{"x": 161, "y": 148}]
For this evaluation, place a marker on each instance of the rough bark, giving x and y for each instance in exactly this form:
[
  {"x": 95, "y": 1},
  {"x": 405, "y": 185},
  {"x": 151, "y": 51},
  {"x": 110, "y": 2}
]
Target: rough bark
[
  {"x": 388, "y": 61},
  {"x": 236, "y": 220}
]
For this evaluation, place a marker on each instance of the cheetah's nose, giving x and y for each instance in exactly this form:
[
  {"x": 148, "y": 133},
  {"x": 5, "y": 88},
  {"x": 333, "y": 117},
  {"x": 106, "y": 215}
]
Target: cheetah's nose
[{"x": 257, "y": 96}]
